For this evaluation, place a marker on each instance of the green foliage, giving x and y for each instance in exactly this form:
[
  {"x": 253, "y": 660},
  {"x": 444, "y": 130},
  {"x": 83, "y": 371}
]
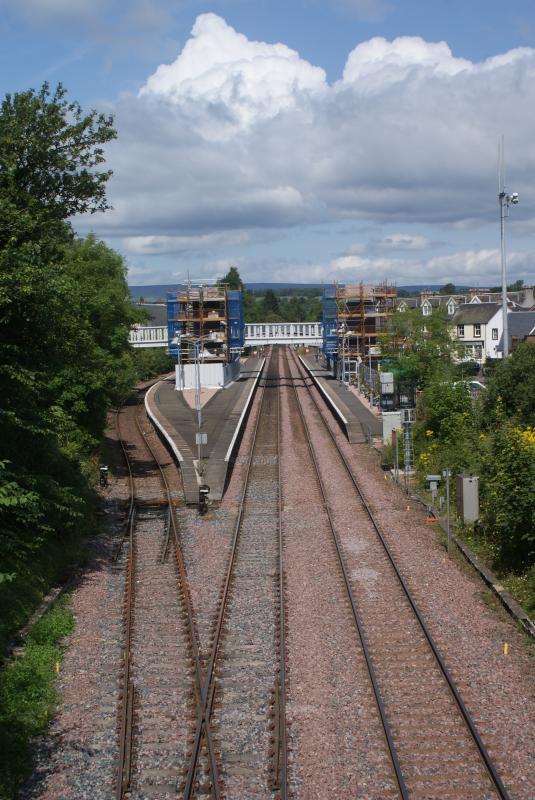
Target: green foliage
[
  {"x": 49, "y": 158},
  {"x": 447, "y": 289},
  {"x": 65, "y": 315},
  {"x": 28, "y": 695},
  {"x": 447, "y": 432},
  {"x": 513, "y": 383},
  {"x": 270, "y": 303},
  {"x": 152, "y": 361},
  {"x": 522, "y": 587},
  {"x": 272, "y": 308},
  {"x": 419, "y": 346},
  {"x": 508, "y": 495},
  {"x": 232, "y": 279}
]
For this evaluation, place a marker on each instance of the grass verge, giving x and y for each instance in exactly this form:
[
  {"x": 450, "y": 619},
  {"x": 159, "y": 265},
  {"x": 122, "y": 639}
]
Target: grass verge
[{"x": 28, "y": 695}]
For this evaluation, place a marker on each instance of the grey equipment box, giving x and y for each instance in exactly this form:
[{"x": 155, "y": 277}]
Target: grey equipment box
[{"x": 467, "y": 493}]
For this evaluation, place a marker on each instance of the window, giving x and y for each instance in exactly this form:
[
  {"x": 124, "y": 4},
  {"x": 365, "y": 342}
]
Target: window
[
  {"x": 477, "y": 330},
  {"x": 478, "y": 349},
  {"x": 495, "y": 334},
  {"x": 426, "y": 310},
  {"x": 460, "y": 331}
]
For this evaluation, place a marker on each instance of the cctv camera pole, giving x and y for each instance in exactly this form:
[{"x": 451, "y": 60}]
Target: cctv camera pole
[
  {"x": 504, "y": 207},
  {"x": 505, "y": 200}
]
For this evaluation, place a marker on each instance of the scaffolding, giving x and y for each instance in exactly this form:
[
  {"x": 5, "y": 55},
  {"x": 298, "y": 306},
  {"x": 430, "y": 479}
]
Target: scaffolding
[
  {"x": 355, "y": 319},
  {"x": 205, "y": 322}
]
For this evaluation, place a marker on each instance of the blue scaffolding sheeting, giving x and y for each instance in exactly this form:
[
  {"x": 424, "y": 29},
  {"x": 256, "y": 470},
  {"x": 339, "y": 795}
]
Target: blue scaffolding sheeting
[
  {"x": 174, "y": 327},
  {"x": 328, "y": 318},
  {"x": 236, "y": 331}
]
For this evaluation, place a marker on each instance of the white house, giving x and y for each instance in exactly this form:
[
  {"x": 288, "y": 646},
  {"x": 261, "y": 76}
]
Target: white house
[{"x": 478, "y": 327}]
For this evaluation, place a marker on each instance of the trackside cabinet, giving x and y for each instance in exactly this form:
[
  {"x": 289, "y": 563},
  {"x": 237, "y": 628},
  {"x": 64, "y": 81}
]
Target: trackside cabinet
[{"x": 467, "y": 494}]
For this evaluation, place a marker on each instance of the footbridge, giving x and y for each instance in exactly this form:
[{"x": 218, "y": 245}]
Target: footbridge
[{"x": 256, "y": 334}]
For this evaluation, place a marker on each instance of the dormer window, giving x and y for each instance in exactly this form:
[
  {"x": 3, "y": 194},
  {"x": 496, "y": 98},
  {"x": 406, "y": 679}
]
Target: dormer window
[
  {"x": 426, "y": 310},
  {"x": 451, "y": 308}
]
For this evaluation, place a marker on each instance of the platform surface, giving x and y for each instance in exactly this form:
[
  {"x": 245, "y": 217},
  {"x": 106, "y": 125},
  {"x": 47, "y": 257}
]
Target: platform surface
[
  {"x": 354, "y": 417},
  {"x": 222, "y": 417}
]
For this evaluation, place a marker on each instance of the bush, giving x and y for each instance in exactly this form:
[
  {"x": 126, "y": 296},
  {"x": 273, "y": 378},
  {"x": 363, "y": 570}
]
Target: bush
[
  {"x": 28, "y": 695},
  {"x": 152, "y": 361},
  {"x": 508, "y": 496}
]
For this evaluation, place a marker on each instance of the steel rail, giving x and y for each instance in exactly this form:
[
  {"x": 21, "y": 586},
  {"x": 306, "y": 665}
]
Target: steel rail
[
  {"x": 208, "y": 688},
  {"x": 127, "y": 708},
  {"x": 356, "y": 613},
  {"x": 192, "y": 630},
  {"x": 281, "y": 749},
  {"x": 487, "y": 761},
  {"x": 125, "y": 726}
]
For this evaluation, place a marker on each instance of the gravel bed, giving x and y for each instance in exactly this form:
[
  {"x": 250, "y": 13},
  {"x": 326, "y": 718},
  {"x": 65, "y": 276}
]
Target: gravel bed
[
  {"x": 336, "y": 735},
  {"x": 162, "y": 669},
  {"x": 498, "y": 690},
  {"x": 338, "y": 750},
  {"x": 247, "y": 664},
  {"x": 437, "y": 755},
  {"x": 76, "y": 758}
]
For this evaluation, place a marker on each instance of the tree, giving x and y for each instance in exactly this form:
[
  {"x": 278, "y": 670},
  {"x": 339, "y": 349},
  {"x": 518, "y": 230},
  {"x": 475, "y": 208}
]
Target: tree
[
  {"x": 232, "y": 279},
  {"x": 49, "y": 158},
  {"x": 270, "y": 303},
  {"x": 419, "y": 347},
  {"x": 513, "y": 382},
  {"x": 448, "y": 288},
  {"x": 64, "y": 320},
  {"x": 508, "y": 494}
]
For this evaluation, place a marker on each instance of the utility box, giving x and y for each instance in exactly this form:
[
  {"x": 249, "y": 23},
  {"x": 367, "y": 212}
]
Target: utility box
[{"x": 467, "y": 493}]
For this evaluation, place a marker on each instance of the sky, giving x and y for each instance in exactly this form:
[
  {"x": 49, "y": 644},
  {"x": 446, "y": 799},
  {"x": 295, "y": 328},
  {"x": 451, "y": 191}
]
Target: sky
[{"x": 301, "y": 141}]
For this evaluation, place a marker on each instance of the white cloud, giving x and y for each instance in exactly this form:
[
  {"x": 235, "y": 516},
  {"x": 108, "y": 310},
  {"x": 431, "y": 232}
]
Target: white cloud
[
  {"x": 401, "y": 241},
  {"x": 162, "y": 245},
  {"x": 225, "y": 82},
  {"x": 473, "y": 267},
  {"x": 377, "y": 63},
  {"x": 241, "y": 136}
]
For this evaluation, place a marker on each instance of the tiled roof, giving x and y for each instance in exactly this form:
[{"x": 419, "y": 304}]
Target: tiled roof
[{"x": 470, "y": 313}]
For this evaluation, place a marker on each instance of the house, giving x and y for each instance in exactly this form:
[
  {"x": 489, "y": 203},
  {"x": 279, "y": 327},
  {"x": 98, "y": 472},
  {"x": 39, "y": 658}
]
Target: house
[
  {"x": 521, "y": 328},
  {"x": 521, "y": 298},
  {"x": 478, "y": 327},
  {"x": 427, "y": 302}
]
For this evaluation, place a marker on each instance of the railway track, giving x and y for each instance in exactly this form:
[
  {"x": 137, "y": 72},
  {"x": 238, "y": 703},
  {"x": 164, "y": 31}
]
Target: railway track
[
  {"x": 162, "y": 666},
  {"x": 432, "y": 741},
  {"x": 244, "y": 695},
  {"x": 245, "y": 672}
]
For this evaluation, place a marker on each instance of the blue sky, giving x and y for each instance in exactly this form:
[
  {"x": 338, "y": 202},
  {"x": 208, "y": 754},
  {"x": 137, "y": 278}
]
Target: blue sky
[{"x": 309, "y": 140}]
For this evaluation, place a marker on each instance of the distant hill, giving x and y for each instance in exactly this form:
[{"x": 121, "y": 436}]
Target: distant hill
[{"x": 151, "y": 293}]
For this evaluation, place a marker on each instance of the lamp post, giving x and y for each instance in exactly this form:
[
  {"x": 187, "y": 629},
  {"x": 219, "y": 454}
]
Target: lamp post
[
  {"x": 370, "y": 367},
  {"x": 197, "y": 342},
  {"x": 505, "y": 200},
  {"x": 341, "y": 332}
]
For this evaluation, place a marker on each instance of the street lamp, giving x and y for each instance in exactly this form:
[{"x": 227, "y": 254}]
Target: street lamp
[
  {"x": 342, "y": 332},
  {"x": 370, "y": 368},
  {"x": 200, "y": 437},
  {"x": 505, "y": 201}
]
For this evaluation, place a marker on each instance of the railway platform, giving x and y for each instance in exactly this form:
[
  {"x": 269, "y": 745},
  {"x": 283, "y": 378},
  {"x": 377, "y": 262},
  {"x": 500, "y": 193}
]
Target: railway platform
[
  {"x": 223, "y": 418},
  {"x": 356, "y": 419}
]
